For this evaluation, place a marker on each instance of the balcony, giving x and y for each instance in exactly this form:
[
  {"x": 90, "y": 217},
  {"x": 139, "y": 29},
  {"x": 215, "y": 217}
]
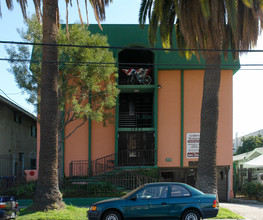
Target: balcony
[
  {"x": 141, "y": 76},
  {"x": 136, "y": 120}
]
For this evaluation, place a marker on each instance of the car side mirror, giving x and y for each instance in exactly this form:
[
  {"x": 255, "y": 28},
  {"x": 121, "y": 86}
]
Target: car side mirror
[{"x": 134, "y": 198}]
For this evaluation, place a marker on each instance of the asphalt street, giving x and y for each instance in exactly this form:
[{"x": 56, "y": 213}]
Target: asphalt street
[{"x": 248, "y": 211}]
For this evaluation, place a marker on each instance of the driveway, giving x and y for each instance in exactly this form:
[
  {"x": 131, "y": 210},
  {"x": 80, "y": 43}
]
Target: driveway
[{"x": 248, "y": 211}]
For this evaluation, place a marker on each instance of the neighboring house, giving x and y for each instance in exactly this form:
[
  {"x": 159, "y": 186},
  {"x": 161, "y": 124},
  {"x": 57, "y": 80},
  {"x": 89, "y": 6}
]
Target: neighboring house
[
  {"x": 18, "y": 142},
  {"x": 241, "y": 159},
  {"x": 248, "y": 167},
  {"x": 157, "y": 122},
  {"x": 237, "y": 142}
]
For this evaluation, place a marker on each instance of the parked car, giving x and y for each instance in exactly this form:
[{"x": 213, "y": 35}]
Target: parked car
[
  {"x": 8, "y": 207},
  {"x": 157, "y": 201}
]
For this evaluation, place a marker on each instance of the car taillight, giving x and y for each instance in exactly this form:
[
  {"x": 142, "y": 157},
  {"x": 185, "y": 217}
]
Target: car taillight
[
  {"x": 215, "y": 204},
  {"x": 2, "y": 205}
]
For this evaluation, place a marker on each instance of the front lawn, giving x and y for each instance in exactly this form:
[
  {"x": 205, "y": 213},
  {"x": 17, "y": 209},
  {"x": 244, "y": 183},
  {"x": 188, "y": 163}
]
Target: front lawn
[
  {"x": 227, "y": 214},
  {"x": 69, "y": 213},
  {"x": 74, "y": 212}
]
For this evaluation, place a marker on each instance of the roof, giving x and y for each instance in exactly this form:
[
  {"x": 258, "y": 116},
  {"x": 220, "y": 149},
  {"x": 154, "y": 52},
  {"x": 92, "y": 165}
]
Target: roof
[
  {"x": 249, "y": 155},
  {"x": 16, "y": 107},
  {"x": 240, "y": 156},
  {"x": 255, "y": 163}
]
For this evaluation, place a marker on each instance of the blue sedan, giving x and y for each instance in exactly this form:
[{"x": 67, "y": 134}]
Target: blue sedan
[{"x": 157, "y": 201}]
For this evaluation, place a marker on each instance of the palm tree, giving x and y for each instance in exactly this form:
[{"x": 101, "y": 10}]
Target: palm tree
[
  {"x": 47, "y": 194},
  {"x": 213, "y": 25}
]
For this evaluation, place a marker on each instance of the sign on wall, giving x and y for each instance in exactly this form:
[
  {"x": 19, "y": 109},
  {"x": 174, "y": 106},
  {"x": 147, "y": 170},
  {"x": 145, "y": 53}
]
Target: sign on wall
[{"x": 192, "y": 145}]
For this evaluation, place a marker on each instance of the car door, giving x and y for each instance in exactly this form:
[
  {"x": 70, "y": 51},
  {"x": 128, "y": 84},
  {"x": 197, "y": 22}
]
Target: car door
[
  {"x": 179, "y": 198},
  {"x": 151, "y": 202}
]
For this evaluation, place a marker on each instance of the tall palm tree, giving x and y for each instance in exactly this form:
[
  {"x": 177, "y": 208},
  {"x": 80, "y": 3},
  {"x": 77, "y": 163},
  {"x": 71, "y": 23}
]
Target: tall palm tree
[
  {"x": 213, "y": 25},
  {"x": 47, "y": 195}
]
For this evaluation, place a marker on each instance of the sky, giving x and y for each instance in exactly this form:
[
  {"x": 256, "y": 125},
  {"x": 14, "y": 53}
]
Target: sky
[{"x": 247, "y": 84}]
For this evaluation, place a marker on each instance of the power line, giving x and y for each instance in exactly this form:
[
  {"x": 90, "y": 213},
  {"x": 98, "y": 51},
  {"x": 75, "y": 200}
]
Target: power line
[
  {"x": 130, "y": 48},
  {"x": 13, "y": 101},
  {"x": 106, "y": 64},
  {"x": 12, "y": 93}
]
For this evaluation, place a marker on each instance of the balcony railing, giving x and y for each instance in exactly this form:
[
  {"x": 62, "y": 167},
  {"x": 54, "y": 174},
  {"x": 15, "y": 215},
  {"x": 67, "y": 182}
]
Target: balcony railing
[
  {"x": 85, "y": 168},
  {"x": 138, "y": 119},
  {"x": 137, "y": 76}
]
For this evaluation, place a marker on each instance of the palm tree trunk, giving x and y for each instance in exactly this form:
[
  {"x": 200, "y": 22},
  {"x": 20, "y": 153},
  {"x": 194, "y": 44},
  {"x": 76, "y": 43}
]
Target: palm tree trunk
[
  {"x": 47, "y": 194},
  {"x": 207, "y": 170}
]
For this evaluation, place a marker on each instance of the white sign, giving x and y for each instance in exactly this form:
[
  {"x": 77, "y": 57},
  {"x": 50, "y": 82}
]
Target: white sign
[{"x": 192, "y": 145}]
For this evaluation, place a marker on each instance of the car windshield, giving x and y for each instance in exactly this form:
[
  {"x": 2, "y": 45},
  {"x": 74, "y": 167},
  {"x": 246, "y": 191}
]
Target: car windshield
[{"x": 132, "y": 192}]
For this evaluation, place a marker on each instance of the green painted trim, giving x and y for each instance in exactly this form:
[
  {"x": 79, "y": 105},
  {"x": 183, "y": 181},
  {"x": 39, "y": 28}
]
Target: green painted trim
[
  {"x": 138, "y": 88},
  {"x": 116, "y": 131},
  {"x": 155, "y": 110},
  {"x": 117, "y": 118},
  {"x": 182, "y": 119},
  {"x": 89, "y": 142},
  {"x": 63, "y": 146},
  {"x": 89, "y": 139}
]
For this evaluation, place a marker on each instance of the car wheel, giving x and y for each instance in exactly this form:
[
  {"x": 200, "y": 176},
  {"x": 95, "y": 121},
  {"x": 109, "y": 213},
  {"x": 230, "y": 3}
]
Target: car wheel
[
  {"x": 111, "y": 215},
  {"x": 191, "y": 215}
]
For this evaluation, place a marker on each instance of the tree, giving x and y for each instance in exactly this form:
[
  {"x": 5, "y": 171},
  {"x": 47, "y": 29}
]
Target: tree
[
  {"x": 250, "y": 143},
  {"x": 81, "y": 77},
  {"x": 214, "y": 26},
  {"x": 47, "y": 194}
]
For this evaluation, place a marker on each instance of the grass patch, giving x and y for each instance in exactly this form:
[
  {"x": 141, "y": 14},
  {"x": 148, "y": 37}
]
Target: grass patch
[
  {"x": 227, "y": 214},
  {"x": 73, "y": 212},
  {"x": 69, "y": 213}
]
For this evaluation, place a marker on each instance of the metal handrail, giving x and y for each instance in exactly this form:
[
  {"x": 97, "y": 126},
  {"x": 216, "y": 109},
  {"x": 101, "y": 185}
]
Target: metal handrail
[{"x": 102, "y": 165}]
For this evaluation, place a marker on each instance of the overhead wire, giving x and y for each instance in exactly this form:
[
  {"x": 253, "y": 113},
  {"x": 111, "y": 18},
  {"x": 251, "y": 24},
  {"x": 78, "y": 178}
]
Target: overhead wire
[
  {"x": 107, "y": 64},
  {"x": 130, "y": 48}
]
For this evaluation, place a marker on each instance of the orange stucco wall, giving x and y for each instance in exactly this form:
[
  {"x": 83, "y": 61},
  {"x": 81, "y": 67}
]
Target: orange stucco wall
[
  {"x": 169, "y": 118},
  {"x": 77, "y": 145},
  {"x": 169, "y": 115},
  {"x": 102, "y": 140}
]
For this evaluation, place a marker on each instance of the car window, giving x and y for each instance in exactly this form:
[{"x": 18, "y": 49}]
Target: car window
[
  {"x": 153, "y": 192},
  {"x": 179, "y": 191}
]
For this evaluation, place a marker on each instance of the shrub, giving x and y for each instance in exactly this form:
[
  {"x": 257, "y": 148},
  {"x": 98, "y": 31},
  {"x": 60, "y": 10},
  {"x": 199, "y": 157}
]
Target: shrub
[
  {"x": 22, "y": 191},
  {"x": 253, "y": 190}
]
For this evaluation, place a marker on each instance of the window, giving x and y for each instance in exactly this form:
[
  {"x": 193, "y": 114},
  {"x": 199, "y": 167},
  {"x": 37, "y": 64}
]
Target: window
[
  {"x": 17, "y": 118},
  {"x": 153, "y": 192},
  {"x": 32, "y": 164},
  {"x": 179, "y": 191},
  {"x": 33, "y": 131}
]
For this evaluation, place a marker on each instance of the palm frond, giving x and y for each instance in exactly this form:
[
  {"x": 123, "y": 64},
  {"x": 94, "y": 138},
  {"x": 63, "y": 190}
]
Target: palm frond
[
  {"x": 99, "y": 9},
  {"x": 80, "y": 17},
  {"x": 23, "y": 6},
  {"x": 232, "y": 13},
  {"x": 248, "y": 3},
  {"x": 205, "y": 5},
  {"x": 87, "y": 13},
  {"x": 144, "y": 10},
  {"x": 153, "y": 26},
  {"x": 167, "y": 23}
]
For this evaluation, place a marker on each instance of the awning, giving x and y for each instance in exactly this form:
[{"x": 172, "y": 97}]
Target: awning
[{"x": 255, "y": 163}]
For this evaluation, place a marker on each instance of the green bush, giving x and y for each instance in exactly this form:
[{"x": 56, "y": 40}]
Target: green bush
[
  {"x": 80, "y": 189},
  {"x": 253, "y": 190},
  {"x": 22, "y": 191}
]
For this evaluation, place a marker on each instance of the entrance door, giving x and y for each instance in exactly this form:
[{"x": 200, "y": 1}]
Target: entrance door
[{"x": 136, "y": 149}]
